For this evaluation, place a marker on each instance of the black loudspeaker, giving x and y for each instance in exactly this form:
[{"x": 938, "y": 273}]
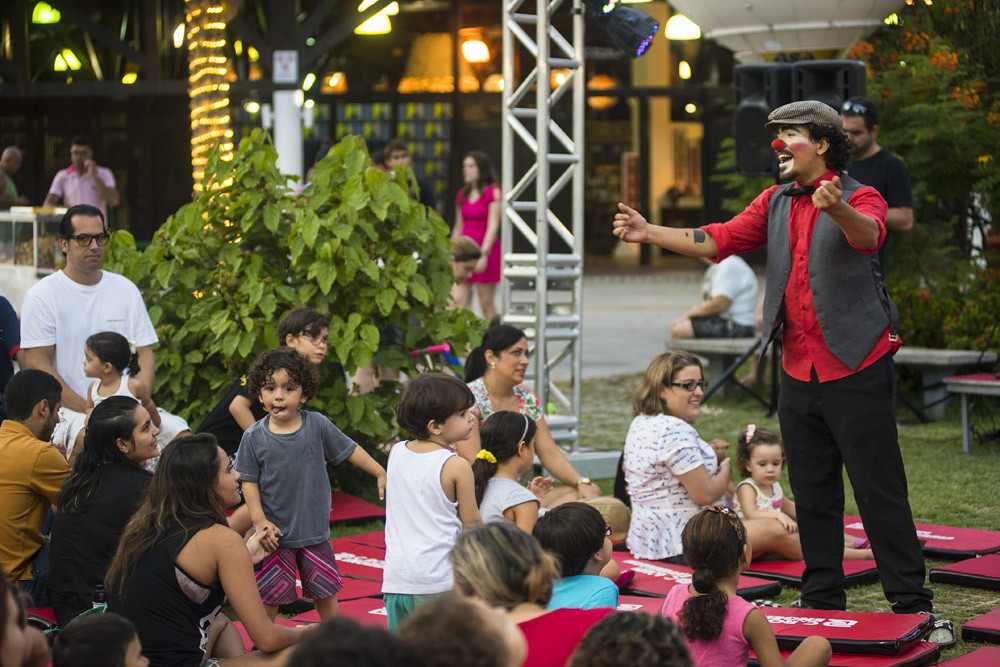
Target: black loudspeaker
[
  {"x": 830, "y": 81},
  {"x": 760, "y": 88}
]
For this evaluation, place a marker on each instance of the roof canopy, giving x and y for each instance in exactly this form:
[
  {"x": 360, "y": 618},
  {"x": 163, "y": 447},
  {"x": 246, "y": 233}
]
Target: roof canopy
[{"x": 752, "y": 28}]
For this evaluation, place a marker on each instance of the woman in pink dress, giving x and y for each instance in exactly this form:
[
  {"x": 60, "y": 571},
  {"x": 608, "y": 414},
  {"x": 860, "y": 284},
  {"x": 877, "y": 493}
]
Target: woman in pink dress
[{"x": 477, "y": 215}]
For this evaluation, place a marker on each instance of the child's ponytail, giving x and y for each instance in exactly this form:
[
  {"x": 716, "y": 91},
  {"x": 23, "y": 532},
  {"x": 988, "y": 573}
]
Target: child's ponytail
[
  {"x": 714, "y": 542},
  {"x": 702, "y": 615},
  {"x": 499, "y": 436},
  {"x": 111, "y": 347}
]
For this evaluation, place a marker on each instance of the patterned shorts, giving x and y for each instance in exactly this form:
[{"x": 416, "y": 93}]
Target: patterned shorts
[{"x": 316, "y": 567}]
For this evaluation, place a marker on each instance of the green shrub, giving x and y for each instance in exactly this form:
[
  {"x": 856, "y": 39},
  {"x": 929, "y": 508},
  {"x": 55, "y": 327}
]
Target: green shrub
[{"x": 222, "y": 271}]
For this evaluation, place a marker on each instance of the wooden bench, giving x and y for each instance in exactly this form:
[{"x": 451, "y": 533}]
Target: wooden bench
[
  {"x": 933, "y": 365},
  {"x": 984, "y": 384}
]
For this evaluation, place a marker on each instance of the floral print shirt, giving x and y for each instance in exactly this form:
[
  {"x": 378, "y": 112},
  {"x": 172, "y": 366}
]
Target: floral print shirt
[
  {"x": 527, "y": 402},
  {"x": 658, "y": 449}
]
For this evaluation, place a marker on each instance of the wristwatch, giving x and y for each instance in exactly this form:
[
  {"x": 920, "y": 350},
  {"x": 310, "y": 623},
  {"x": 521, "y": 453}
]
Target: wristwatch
[{"x": 582, "y": 480}]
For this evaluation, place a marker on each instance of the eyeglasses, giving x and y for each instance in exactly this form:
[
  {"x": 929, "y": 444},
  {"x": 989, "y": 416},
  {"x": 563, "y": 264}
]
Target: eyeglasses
[
  {"x": 316, "y": 340},
  {"x": 84, "y": 240},
  {"x": 607, "y": 530},
  {"x": 690, "y": 385},
  {"x": 854, "y": 107}
]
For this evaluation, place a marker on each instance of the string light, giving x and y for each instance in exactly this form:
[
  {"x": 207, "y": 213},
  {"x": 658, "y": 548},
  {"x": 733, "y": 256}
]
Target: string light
[{"x": 208, "y": 90}]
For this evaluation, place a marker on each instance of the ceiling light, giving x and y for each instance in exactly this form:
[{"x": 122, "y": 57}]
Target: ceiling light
[
  {"x": 475, "y": 51},
  {"x": 71, "y": 60},
  {"x": 684, "y": 70},
  {"x": 179, "y": 36},
  {"x": 378, "y": 24},
  {"x": 680, "y": 27},
  {"x": 251, "y": 106},
  {"x": 308, "y": 81},
  {"x": 690, "y": 108},
  {"x": 43, "y": 14}
]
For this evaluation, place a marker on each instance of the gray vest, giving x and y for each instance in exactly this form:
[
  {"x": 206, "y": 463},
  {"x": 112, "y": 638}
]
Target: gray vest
[{"x": 852, "y": 305}]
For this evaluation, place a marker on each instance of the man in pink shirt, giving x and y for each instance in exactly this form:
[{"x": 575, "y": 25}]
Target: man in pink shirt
[{"x": 83, "y": 182}]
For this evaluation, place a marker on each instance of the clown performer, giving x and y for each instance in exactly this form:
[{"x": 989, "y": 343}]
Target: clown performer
[{"x": 822, "y": 230}]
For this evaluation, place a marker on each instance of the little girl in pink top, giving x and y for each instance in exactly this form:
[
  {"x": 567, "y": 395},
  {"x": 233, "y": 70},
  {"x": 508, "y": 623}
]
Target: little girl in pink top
[{"x": 721, "y": 627}]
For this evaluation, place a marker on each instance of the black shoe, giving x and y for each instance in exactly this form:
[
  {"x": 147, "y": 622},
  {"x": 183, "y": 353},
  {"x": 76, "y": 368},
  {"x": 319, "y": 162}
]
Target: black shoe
[
  {"x": 800, "y": 604},
  {"x": 942, "y": 632},
  {"x": 764, "y": 603}
]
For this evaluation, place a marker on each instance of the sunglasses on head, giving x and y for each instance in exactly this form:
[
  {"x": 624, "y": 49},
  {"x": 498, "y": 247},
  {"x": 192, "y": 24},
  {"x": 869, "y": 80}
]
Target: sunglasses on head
[{"x": 854, "y": 108}]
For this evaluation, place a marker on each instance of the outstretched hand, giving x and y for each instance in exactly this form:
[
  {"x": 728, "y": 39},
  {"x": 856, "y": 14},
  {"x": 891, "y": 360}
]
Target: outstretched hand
[
  {"x": 630, "y": 226},
  {"x": 828, "y": 194}
]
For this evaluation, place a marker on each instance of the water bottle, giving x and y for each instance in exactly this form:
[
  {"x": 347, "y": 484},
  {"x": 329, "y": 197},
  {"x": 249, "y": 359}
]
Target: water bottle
[{"x": 99, "y": 599}]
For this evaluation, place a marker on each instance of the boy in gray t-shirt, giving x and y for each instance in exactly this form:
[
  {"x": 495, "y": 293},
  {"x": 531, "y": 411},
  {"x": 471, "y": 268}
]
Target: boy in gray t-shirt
[{"x": 281, "y": 461}]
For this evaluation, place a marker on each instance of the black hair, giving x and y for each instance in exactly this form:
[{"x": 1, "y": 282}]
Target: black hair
[
  {"x": 500, "y": 435},
  {"x": 745, "y": 446},
  {"x": 113, "y": 348},
  {"x": 487, "y": 174},
  {"x": 636, "y": 639},
  {"x": 26, "y": 388},
  {"x": 96, "y": 640},
  {"x": 66, "y": 223},
  {"x": 393, "y": 145},
  {"x": 113, "y": 418},
  {"x": 302, "y": 320},
  {"x": 431, "y": 397},
  {"x": 449, "y": 631},
  {"x": 300, "y": 371},
  {"x": 573, "y": 533},
  {"x": 497, "y": 339},
  {"x": 346, "y": 642},
  {"x": 82, "y": 140},
  {"x": 714, "y": 541},
  {"x": 870, "y": 114}
]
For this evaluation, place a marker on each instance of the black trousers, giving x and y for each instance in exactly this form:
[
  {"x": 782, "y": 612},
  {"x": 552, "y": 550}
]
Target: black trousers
[{"x": 851, "y": 422}]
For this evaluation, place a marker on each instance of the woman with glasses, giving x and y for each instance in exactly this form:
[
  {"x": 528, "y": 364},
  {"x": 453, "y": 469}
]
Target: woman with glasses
[
  {"x": 671, "y": 472},
  {"x": 495, "y": 371}
]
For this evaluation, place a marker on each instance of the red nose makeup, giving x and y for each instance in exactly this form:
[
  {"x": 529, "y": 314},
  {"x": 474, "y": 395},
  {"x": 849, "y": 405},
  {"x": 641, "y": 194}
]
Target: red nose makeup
[{"x": 778, "y": 144}]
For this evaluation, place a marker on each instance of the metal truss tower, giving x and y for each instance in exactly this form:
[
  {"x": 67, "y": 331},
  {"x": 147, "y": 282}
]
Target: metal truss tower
[{"x": 542, "y": 160}]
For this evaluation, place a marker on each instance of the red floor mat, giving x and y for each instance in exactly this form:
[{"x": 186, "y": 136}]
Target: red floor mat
[
  {"x": 943, "y": 542},
  {"x": 656, "y": 578},
  {"x": 790, "y": 571},
  {"x": 921, "y": 653},
  {"x": 366, "y": 611},
  {"x": 376, "y": 539},
  {"x": 982, "y": 572},
  {"x": 848, "y": 632},
  {"x": 359, "y": 560},
  {"x": 345, "y": 508},
  {"x": 985, "y": 628},
  {"x": 984, "y": 656}
]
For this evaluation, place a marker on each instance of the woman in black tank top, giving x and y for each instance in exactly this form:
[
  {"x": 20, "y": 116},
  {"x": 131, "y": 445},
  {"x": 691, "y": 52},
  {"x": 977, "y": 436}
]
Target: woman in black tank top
[{"x": 178, "y": 561}]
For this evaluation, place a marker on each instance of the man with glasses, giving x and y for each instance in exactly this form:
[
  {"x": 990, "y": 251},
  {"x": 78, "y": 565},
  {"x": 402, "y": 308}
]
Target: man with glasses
[
  {"x": 64, "y": 308},
  {"x": 83, "y": 182},
  {"x": 875, "y": 166}
]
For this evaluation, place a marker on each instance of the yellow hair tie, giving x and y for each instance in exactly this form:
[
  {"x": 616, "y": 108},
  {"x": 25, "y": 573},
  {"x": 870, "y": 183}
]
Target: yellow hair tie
[{"x": 487, "y": 455}]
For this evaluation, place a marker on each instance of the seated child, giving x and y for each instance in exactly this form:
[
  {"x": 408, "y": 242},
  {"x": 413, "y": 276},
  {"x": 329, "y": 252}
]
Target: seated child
[
  {"x": 344, "y": 641},
  {"x": 579, "y": 539},
  {"x": 303, "y": 330},
  {"x": 760, "y": 458},
  {"x": 98, "y": 640},
  {"x": 281, "y": 461},
  {"x": 635, "y": 639},
  {"x": 720, "y": 626},
  {"x": 508, "y": 451},
  {"x": 456, "y": 631},
  {"x": 431, "y": 495}
]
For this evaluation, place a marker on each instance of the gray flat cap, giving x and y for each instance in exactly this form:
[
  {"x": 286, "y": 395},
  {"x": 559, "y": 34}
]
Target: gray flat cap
[{"x": 806, "y": 111}]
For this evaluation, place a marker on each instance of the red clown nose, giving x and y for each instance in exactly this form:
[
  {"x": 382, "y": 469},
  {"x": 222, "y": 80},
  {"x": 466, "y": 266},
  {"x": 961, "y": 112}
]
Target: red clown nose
[{"x": 778, "y": 144}]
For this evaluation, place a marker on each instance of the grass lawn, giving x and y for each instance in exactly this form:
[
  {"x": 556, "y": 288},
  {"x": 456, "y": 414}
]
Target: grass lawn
[{"x": 946, "y": 485}]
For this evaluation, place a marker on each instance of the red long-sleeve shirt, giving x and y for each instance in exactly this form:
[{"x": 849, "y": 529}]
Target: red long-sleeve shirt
[{"x": 804, "y": 345}]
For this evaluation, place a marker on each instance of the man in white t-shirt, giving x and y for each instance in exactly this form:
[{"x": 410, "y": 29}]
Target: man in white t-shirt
[
  {"x": 729, "y": 300},
  {"x": 63, "y": 309}
]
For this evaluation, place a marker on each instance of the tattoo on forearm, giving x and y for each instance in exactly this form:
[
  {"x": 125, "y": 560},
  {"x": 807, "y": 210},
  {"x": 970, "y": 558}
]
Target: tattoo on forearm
[{"x": 699, "y": 236}]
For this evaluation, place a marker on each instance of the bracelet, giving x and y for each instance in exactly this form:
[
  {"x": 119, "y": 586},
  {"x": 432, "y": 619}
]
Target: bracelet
[{"x": 582, "y": 480}]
